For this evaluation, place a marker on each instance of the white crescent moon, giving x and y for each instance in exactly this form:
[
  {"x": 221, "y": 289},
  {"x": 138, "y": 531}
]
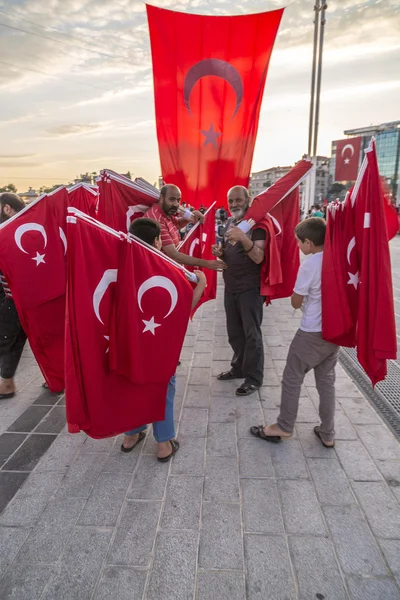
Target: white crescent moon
[
  {"x": 29, "y": 227},
  {"x": 132, "y": 210},
  {"x": 159, "y": 281},
  {"x": 109, "y": 276},
  {"x": 63, "y": 239},
  {"x": 276, "y": 223},
  {"x": 350, "y": 247},
  {"x": 350, "y": 146},
  {"x": 192, "y": 245}
]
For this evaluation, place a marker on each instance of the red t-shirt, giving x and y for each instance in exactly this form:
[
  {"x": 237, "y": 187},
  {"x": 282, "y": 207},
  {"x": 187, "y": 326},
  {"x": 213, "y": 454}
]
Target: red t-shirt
[{"x": 169, "y": 225}]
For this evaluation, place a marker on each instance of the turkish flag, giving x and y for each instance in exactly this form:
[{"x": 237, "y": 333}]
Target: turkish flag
[
  {"x": 209, "y": 77},
  {"x": 33, "y": 260},
  {"x": 98, "y": 401},
  {"x": 122, "y": 200},
  {"x": 84, "y": 197},
  {"x": 151, "y": 313},
  {"x": 198, "y": 243},
  {"x": 347, "y": 159}
]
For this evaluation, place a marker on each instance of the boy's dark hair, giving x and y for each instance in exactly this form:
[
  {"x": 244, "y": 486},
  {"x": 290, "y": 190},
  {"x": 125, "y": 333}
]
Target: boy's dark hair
[
  {"x": 12, "y": 200},
  {"x": 147, "y": 230},
  {"x": 312, "y": 229}
]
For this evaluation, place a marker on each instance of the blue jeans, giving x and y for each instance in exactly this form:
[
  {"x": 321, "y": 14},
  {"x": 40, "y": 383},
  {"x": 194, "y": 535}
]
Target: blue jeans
[{"x": 163, "y": 430}]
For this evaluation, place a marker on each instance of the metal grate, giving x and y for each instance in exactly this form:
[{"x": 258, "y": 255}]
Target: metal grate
[{"x": 386, "y": 395}]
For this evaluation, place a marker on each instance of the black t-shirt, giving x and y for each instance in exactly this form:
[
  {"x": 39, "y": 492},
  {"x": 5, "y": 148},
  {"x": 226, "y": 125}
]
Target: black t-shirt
[{"x": 242, "y": 273}]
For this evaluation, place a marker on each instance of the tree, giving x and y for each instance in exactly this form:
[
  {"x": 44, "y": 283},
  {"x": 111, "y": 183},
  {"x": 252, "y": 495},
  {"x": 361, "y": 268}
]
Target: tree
[
  {"x": 8, "y": 188},
  {"x": 336, "y": 188}
]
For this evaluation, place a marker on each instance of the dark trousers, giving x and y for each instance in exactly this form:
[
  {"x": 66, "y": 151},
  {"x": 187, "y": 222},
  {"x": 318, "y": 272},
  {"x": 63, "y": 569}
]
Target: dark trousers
[
  {"x": 244, "y": 313},
  {"x": 12, "y": 338}
]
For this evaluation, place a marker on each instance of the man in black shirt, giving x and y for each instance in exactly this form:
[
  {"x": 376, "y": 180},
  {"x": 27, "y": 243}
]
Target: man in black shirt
[{"x": 244, "y": 254}]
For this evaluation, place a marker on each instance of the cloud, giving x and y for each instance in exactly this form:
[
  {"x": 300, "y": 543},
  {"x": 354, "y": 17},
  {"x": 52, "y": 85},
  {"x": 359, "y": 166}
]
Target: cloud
[
  {"x": 77, "y": 129},
  {"x": 16, "y": 156}
]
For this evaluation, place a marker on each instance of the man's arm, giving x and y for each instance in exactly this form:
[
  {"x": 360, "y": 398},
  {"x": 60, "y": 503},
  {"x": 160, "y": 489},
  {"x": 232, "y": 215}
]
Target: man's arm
[
  {"x": 185, "y": 259},
  {"x": 255, "y": 250}
]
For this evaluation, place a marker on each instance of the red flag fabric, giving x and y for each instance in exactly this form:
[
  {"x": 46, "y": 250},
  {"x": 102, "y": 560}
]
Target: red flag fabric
[
  {"x": 32, "y": 258},
  {"x": 198, "y": 243},
  {"x": 84, "y": 197},
  {"x": 98, "y": 401},
  {"x": 208, "y": 88},
  {"x": 122, "y": 200},
  {"x": 347, "y": 159},
  {"x": 151, "y": 313}
]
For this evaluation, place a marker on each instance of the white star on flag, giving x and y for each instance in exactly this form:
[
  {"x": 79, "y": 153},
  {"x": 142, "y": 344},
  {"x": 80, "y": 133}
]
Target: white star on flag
[
  {"x": 150, "y": 326},
  {"x": 346, "y": 161},
  {"x": 39, "y": 258},
  {"x": 354, "y": 279}
]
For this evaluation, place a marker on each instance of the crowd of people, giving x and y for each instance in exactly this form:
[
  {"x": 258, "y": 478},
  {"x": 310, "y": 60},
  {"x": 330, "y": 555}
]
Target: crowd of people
[{"x": 240, "y": 257}]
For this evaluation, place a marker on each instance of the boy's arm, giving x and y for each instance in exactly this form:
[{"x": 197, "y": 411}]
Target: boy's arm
[
  {"x": 296, "y": 300},
  {"x": 200, "y": 287}
]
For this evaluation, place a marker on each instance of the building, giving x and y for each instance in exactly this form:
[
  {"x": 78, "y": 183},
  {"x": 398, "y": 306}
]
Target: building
[
  {"x": 29, "y": 196},
  {"x": 322, "y": 180},
  {"x": 261, "y": 180},
  {"x": 388, "y": 150}
]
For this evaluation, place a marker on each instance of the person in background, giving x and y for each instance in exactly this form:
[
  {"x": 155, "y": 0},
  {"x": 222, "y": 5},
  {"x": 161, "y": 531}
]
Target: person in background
[
  {"x": 149, "y": 231},
  {"x": 317, "y": 211}
]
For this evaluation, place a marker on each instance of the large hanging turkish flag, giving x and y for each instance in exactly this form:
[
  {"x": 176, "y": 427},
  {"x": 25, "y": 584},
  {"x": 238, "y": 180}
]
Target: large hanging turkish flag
[
  {"x": 347, "y": 159},
  {"x": 209, "y": 76}
]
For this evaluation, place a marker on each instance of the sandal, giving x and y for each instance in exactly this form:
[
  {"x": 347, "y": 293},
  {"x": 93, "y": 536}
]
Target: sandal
[
  {"x": 175, "y": 448},
  {"x": 7, "y": 396},
  {"x": 258, "y": 431},
  {"x": 228, "y": 375},
  {"x": 318, "y": 434},
  {"x": 141, "y": 437},
  {"x": 246, "y": 389}
]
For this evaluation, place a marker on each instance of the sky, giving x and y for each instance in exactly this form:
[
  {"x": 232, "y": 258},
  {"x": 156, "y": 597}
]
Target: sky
[{"x": 77, "y": 96}]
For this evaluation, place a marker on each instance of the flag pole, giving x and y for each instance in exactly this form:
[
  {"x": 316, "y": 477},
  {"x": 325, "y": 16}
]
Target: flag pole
[{"x": 313, "y": 72}]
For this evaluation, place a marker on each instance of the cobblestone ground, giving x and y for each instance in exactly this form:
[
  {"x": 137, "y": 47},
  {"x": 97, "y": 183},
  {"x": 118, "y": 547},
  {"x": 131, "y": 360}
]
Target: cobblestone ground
[{"x": 231, "y": 517}]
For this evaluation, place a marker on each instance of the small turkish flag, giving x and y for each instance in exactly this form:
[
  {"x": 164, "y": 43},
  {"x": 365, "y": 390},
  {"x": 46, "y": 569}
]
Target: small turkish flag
[{"x": 347, "y": 159}]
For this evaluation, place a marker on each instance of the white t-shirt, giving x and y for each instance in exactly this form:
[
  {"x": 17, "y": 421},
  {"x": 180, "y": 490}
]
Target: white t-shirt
[{"x": 308, "y": 284}]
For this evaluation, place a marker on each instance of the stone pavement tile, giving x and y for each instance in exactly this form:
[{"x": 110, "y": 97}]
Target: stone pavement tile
[
  {"x": 271, "y": 378},
  {"x": 47, "y": 539},
  {"x": 190, "y": 341},
  {"x": 224, "y": 388},
  {"x": 343, "y": 428},
  {"x": 183, "y": 503},
  {"x": 358, "y": 411},
  {"x": 269, "y": 573},
  {"x": 11, "y": 540},
  {"x": 274, "y": 340},
  {"x": 330, "y": 481},
  {"x": 270, "y": 396},
  {"x": 82, "y": 475},
  {"x": 61, "y": 454},
  {"x": 300, "y": 507},
  {"x": 29, "y": 453},
  {"x": 9, "y": 485},
  {"x": 356, "y": 548},
  {"x": 222, "y": 410},
  {"x": 193, "y": 422},
  {"x": 205, "y": 336},
  {"x": 40, "y": 483},
  {"x": 220, "y": 340},
  {"x": 222, "y": 353},
  {"x": 271, "y": 416},
  {"x": 307, "y": 412},
  {"x": 317, "y": 571},
  {"x": 345, "y": 388},
  {"x": 25, "y": 582},
  {"x": 279, "y": 366},
  {"x": 29, "y": 418},
  {"x": 288, "y": 460},
  {"x": 92, "y": 445},
  {"x": 390, "y": 470},
  {"x": 9, "y": 442},
  {"x": 46, "y": 398},
  {"x": 121, "y": 583},
  {"x": 187, "y": 353},
  {"x": 80, "y": 565},
  {"x": 122, "y": 462},
  {"x": 278, "y": 353},
  {"x": 190, "y": 458},
  {"x": 391, "y": 550},
  {"x": 105, "y": 501},
  {"x": 23, "y": 512},
  {"x": 197, "y": 396},
  {"x": 252, "y": 416},
  {"x": 356, "y": 461},
  {"x": 255, "y": 458},
  {"x": 221, "y": 439},
  {"x": 53, "y": 422},
  {"x": 311, "y": 445},
  {"x": 379, "y": 441},
  {"x": 172, "y": 577},
  {"x": 221, "y": 544},
  {"x": 222, "y": 479},
  {"x": 199, "y": 375},
  {"x": 150, "y": 479},
  {"x": 220, "y": 585},
  {"x": 380, "y": 507},
  {"x": 135, "y": 535},
  {"x": 373, "y": 589},
  {"x": 261, "y": 506}
]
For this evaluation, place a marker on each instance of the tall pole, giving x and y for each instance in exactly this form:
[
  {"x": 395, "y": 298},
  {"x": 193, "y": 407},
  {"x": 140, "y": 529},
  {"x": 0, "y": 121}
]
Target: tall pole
[
  {"x": 319, "y": 75},
  {"x": 313, "y": 72}
]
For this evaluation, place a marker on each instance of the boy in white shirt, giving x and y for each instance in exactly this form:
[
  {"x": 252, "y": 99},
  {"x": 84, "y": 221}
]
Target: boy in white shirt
[{"x": 308, "y": 350}]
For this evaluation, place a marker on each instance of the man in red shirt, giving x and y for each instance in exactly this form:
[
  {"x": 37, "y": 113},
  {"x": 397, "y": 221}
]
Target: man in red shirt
[{"x": 165, "y": 212}]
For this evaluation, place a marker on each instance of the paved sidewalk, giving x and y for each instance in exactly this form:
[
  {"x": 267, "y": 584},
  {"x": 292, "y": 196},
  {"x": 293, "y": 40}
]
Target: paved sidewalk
[{"x": 230, "y": 518}]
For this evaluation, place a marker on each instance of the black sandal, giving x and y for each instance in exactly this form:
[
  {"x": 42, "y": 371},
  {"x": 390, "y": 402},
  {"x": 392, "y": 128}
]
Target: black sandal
[
  {"x": 7, "y": 396},
  {"x": 258, "y": 431},
  {"x": 141, "y": 437},
  {"x": 246, "y": 389},
  {"x": 175, "y": 448},
  {"x": 228, "y": 375},
  {"x": 318, "y": 434}
]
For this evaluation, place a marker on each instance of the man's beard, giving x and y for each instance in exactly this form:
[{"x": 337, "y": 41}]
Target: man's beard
[
  {"x": 171, "y": 211},
  {"x": 239, "y": 213}
]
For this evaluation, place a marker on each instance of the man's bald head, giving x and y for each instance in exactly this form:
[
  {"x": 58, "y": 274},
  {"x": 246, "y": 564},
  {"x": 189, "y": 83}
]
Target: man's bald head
[
  {"x": 170, "y": 197},
  {"x": 238, "y": 201}
]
